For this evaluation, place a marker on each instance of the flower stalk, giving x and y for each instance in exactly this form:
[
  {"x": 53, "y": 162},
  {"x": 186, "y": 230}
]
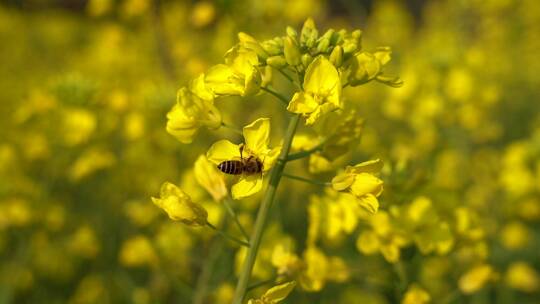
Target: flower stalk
[
  {"x": 227, "y": 236},
  {"x": 233, "y": 215},
  {"x": 306, "y": 180},
  {"x": 262, "y": 216}
]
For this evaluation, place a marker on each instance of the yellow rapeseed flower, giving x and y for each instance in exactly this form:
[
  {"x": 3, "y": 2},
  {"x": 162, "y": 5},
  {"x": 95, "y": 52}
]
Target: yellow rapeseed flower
[
  {"x": 360, "y": 181},
  {"x": 257, "y": 137},
  {"x": 194, "y": 108},
  {"x": 238, "y": 76},
  {"x": 322, "y": 91}
]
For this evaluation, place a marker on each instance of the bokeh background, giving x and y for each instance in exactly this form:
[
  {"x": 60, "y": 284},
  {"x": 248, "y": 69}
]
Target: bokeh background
[{"x": 84, "y": 90}]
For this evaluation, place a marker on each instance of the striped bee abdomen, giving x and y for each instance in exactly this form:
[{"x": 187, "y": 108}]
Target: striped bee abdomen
[{"x": 234, "y": 167}]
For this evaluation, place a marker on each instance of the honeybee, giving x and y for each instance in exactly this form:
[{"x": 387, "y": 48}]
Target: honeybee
[{"x": 248, "y": 166}]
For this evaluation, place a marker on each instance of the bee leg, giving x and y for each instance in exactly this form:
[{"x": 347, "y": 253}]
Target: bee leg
[{"x": 241, "y": 150}]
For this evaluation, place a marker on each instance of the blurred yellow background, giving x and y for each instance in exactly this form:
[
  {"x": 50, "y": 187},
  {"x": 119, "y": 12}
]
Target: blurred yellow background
[{"x": 84, "y": 91}]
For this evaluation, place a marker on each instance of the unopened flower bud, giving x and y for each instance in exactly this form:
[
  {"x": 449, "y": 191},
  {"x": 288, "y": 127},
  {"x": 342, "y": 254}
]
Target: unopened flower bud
[
  {"x": 306, "y": 60},
  {"x": 276, "y": 62},
  {"x": 336, "y": 57},
  {"x": 179, "y": 206},
  {"x": 309, "y": 34},
  {"x": 292, "y": 52}
]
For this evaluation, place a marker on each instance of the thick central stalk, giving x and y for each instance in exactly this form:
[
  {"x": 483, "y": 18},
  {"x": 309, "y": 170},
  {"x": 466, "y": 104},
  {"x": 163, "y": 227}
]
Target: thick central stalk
[{"x": 262, "y": 216}]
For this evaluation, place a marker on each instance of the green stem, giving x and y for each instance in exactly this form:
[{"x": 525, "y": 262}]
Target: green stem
[
  {"x": 401, "y": 272},
  {"x": 281, "y": 98},
  {"x": 306, "y": 153},
  {"x": 306, "y": 180},
  {"x": 286, "y": 75},
  {"x": 289, "y": 78},
  {"x": 231, "y": 212},
  {"x": 227, "y": 236},
  {"x": 262, "y": 216},
  {"x": 203, "y": 281}
]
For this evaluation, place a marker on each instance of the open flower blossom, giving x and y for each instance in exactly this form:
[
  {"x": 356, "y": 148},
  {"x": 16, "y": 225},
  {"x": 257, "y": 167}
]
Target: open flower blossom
[
  {"x": 275, "y": 294},
  {"x": 257, "y": 138},
  {"x": 322, "y": 91},
  {"x": 360, "y": 181},
  {"x": 238, "y": 76},
  {"x": 368, "y": 66},
  {"x": 179, "y": 206},
  {"x": 194, "y": 108}
]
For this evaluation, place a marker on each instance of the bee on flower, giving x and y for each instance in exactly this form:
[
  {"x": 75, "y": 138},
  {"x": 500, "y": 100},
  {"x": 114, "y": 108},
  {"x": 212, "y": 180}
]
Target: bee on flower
[{"x": 248, "y": 159}]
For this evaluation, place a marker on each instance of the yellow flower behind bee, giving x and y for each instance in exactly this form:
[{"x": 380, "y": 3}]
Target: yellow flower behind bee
[
  {"x": 257, "y": 138},
  {"x": 360, "y": 181},
  {"x": 208, "y": 176},
  {"x": 322, "y": 91},
  {"x": 179, "y": 206}
]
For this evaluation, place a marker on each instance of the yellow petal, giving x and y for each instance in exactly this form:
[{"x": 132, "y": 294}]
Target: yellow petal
[
  {"x": 321, "y": 77},
  {"x": 370, "y": 166},
  {"x": 247, "y": 186},
  {"x": 257, "y": 135},
  {"x": 365, "y": 183},
  {"x": 223, "y": 150},
  {"x": 369, "y": 202},
  {"x": 280, "y": 292},
  {"x": 222, "y": 80},
  {"x": 179, "y": 206},
  {"x": 302, "y": 103},
  {"x": 342, "y": 181},
  {"x": 270, "y": 158},
  {"x": 209, "y": 177}
]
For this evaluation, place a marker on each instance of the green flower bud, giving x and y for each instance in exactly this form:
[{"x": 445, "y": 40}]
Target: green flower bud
[
  {"x": 248, "y": 42},
  {"x": 292, "y": 52},
  {"x": 322, "y": 46},
  {"x": 306, "y": 60},
  {"x": 328, "y": 34},
  {"x": 291, "y": 32},
  {"x": 338, "y": 37},
  {"x": 349, "y": 47},
  {"x": 336, "y": 57},
  {"x": 357, "y": 35},
  {"x": 272, "y": 47},
  {"x": 309, "y": 34},
  {"x": 276, "y": 62}
]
